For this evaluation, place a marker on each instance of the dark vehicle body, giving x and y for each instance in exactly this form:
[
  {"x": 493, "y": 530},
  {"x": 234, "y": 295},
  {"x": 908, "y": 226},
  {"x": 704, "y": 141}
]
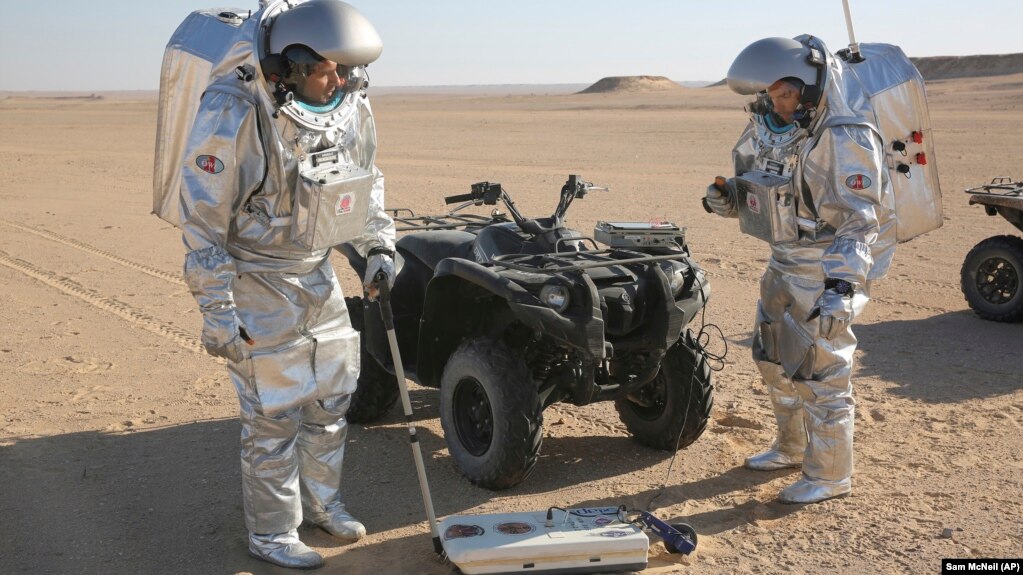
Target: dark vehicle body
[{"x": 508, "y": 316}]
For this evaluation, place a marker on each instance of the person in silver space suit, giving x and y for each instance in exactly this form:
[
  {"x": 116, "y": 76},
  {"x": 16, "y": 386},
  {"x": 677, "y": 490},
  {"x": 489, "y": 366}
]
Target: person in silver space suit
[
  {"x": 810, "y": 180},
  {"x": 280, "y": 167}
]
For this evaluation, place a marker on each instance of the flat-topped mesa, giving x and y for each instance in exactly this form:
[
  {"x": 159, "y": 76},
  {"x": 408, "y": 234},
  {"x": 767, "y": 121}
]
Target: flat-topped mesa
[
  {"x": 947, "y": 67},
  {"x": 614, "y": 84}
]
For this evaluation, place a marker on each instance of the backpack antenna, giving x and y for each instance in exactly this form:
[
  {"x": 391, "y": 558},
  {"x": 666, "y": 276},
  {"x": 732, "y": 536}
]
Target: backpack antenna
[{"x": 854, "y": 46}]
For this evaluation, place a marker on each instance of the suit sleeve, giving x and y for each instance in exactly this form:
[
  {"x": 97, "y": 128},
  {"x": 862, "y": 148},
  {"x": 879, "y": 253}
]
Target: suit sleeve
[
  {"x": 844, "y": 177},
  {"x": 224, "y": 164},
  {"x": 379, "y": 230}
]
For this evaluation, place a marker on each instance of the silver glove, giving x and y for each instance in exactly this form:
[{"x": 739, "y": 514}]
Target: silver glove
[
  {"x": 222, "y": 334},
  {"x": 379, "y": 263},
  {"x": 722, "y": 202},
  {"x": 836, "y": 313}
]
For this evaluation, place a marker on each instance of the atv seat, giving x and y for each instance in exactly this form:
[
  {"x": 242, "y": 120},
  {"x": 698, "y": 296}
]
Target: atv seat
[
  {"x": 500, "y": 240},
  {"x": 431, "y": 247},
  {"x": 428, "y": 248}
]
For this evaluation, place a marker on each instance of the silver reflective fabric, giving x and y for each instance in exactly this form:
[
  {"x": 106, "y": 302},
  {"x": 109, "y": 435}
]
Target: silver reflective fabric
[
  {"x": 252, "y": 267},
  {"x": 803, "y": 342},
  {"x": 808, "y": 375},
  {"x": 766, "y": 206},
  {"x": 790, "y": 442},
  {"x": 332, "y": 201},
  {"x": 202, "y": 49},
  {"x": 897, "y": 105},
  {"x": 284, "y": 550}
]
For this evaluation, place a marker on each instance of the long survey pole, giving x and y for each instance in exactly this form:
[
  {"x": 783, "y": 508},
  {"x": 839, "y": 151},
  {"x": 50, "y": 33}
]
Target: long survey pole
[{"x": 399, "y": 371}]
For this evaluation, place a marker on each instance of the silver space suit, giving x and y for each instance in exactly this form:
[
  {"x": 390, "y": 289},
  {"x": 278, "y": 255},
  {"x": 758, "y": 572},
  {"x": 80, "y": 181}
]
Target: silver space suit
[
  {"x": 271, "y": 180},
  {"x": 814, "y": 186}
]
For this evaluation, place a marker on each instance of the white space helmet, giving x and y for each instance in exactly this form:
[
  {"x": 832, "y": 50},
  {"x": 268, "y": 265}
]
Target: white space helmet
[
  {"x": 330, "y": 28},
  {"x": 766, "y": 61}
]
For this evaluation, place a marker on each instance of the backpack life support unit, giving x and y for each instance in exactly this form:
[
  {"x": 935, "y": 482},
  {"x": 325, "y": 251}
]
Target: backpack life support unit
[
  {"x": 898, "y": 106},
  {"x": 196, "y": 56}
]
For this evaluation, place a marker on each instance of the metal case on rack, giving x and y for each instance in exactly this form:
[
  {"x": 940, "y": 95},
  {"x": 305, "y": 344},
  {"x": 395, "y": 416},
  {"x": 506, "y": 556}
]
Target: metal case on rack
[{"x": 639, "y": 234}]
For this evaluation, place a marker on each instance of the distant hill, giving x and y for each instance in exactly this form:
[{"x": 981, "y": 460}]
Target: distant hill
[
  {"x": 949, "y": 67},
  {"x": 631, "y": 84}
]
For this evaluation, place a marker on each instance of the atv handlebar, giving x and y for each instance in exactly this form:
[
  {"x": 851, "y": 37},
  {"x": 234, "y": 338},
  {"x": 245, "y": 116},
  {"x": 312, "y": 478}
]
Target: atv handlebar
[
  {"x": 459, "y": 198},
  {"x": 490, "y": 193}
]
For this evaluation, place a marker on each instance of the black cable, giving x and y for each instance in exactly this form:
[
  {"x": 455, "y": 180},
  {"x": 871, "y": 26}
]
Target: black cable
[
  {"x": 703, "y": 337},
  {"x": 567, "y": 512},
  {"x": 702, "y": 356}
]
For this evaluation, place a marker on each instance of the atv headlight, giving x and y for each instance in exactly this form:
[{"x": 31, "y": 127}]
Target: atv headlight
[
  {"x": 554, "y": 297},
  {"x": 676, "y": 278}
]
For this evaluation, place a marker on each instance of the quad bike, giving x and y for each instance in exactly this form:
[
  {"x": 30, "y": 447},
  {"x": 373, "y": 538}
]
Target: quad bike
[
  {"x": 992, "y": 273},
  {"x": 507, "y": 317}
]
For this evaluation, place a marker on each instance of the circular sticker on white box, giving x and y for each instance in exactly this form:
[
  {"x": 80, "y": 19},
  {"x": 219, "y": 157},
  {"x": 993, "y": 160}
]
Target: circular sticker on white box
[
  {"x": 514, "y": 528},
  {"x": 457, "y": 531}
]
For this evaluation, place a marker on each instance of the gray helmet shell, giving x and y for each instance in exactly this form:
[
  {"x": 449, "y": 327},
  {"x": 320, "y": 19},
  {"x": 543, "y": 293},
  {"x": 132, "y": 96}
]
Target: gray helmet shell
[
  {"x": 766, "y": 61},
  {"x": 331, "y": 28}
]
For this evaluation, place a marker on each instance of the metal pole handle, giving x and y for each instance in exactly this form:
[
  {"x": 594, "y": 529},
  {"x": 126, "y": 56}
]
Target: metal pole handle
[{"x": 387, "y": 316}]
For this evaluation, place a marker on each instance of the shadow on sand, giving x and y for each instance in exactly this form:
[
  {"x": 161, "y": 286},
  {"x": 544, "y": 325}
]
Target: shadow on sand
[
  {"x": 945, "y": 358},
  {"x": 168, "y": 500}
]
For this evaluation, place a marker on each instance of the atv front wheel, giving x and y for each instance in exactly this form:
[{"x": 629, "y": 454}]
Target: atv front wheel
[
  {"x": 991, "y": 278},
  {"x": 491, "y": 414},
  {"x": 672, "y": 411}
]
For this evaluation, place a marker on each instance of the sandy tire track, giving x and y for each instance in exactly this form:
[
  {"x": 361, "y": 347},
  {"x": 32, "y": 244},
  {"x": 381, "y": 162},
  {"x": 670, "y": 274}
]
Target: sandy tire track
[
  {"x": 563, "y": 409},
  {"x": 169, "y": 277},
  {"x": 134, "y": 316}
]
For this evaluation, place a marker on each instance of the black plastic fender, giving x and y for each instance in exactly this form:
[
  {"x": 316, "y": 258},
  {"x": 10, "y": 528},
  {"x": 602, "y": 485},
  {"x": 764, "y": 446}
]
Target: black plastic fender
[{"x": 465, "y": 298}]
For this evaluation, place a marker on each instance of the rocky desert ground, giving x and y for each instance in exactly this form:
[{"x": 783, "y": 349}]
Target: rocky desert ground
[{"x": 119, "y": 439}]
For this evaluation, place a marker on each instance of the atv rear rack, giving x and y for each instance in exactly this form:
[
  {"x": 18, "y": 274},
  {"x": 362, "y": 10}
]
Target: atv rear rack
[
  {"x": 413, "y": 223},
  {"x": 1001, "y": 186},
  {"x": 1002, "y": 195},
  {"x": 561, "y": 262}
]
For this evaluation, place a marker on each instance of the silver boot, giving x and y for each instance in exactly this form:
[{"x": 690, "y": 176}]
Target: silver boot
[
  {"x": 808, "y": 490},
  {"x": 338, "y": 522},
  {"x": 787, "y": 449},
  {"x": 284, "y": 550},
  {"x": 828, "y": 464}
]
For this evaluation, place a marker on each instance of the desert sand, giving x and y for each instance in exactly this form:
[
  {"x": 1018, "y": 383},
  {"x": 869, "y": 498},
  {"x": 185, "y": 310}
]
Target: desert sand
[{"x": 119, "y": 438}]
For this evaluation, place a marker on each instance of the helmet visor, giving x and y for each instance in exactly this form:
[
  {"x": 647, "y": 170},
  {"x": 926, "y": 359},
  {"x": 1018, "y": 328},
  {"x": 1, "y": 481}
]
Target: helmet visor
[{"x": 322, "y": 85}]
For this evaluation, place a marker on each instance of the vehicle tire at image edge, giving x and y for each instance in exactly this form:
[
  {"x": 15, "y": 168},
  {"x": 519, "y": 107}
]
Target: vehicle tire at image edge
[{"x": 992, "y": 278}]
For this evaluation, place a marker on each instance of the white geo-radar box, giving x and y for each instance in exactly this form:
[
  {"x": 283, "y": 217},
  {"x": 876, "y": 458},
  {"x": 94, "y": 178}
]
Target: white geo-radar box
[{"x": 584, "y": 540}]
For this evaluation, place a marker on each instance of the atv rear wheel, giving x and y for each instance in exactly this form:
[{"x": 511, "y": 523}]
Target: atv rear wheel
[
  {"x": 377, "y": 390},
  {"x": 992, "y": 278},
  {"x": 376, "y": 393},
  {"x": 491, "y": 414},
  {"x": 671, "y": 412}
]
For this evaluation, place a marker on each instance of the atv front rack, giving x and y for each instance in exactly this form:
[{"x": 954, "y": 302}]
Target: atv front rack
[
  {"x": 413, "y": 223},
  {"x": 578, "y": 261}
]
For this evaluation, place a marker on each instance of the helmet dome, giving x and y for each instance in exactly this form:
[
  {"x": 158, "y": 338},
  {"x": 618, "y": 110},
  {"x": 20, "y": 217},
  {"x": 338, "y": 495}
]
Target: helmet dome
[
  {"x": 766, "y": 61},
  {"x": 332, "y": 29}
]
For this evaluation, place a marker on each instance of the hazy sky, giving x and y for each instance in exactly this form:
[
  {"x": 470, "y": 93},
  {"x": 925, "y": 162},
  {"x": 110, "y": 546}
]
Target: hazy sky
[{"x": 118, "y": 44}]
